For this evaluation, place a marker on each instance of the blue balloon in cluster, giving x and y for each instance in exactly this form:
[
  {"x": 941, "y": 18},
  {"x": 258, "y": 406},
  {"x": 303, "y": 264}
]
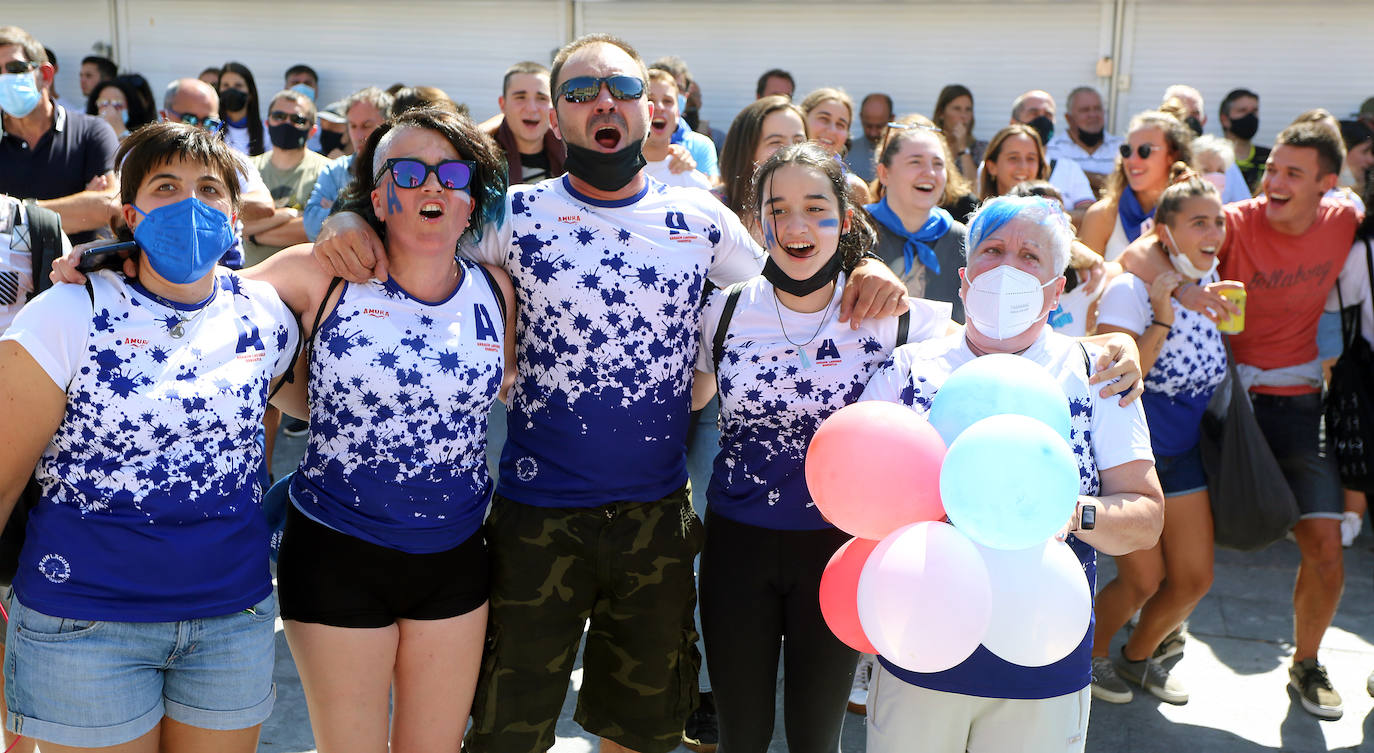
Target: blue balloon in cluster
[
  {"x": 1009, "y": 482},
  {"x": 995, "y": 384}
]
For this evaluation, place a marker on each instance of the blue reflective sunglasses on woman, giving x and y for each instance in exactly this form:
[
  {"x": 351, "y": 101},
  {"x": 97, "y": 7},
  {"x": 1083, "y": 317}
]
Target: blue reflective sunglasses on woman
[{"x": 408, "y": 172}]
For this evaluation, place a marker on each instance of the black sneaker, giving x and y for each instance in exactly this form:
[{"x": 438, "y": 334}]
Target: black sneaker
[
  {"x": 700, "y": 733},
  {"x": 295, "y": 427},
  {"x": 1314, "y": 690}
]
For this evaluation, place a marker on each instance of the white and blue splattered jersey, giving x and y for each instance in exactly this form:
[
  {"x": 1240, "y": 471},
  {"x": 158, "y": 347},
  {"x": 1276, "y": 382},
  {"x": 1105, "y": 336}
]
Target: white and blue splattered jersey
[
  {"x": 774, "y": 394},
  {"x": 1189, "y": 368},
  {"x": 399, "y": 394},
  {"x": 1103, "y": 435},
  {"x": 150, "y": 508},
  {"x": 606, "y": 335}
]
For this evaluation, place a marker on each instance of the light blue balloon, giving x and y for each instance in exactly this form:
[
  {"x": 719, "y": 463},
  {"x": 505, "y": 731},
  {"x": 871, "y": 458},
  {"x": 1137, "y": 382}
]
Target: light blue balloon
[
  {"x": 995, "y": 384},
  {"x": 1009, "y": 482}
]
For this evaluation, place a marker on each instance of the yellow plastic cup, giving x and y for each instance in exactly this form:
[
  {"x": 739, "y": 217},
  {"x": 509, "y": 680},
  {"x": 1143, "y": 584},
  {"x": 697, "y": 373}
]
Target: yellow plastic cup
[{"x": 1234, "y": 324}]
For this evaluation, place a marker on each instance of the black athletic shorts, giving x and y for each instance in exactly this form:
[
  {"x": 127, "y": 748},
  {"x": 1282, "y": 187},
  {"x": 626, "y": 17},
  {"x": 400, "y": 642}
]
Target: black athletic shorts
[{"x": 331, "y": 578}]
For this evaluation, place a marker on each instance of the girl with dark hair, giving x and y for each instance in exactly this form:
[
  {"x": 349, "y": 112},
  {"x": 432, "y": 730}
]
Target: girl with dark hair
[
  {"x": 954, "y": 116},
  {"x": 920, "y": 240},
  {"x": 1154, "y": 142},
  {"x": 383, "y": 568},
  {"x": 766, "y": 544},
  {"x": 143, "y": 610},
  {"x": 238, "y": 106},
  {"x": 1184, "y": 360},
  {"x": 118, "y": 103},
  {"x": 760, "y": 129}
]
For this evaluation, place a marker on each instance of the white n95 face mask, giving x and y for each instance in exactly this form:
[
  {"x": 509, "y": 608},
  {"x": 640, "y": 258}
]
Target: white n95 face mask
[{"x": 1004, "y": 302}]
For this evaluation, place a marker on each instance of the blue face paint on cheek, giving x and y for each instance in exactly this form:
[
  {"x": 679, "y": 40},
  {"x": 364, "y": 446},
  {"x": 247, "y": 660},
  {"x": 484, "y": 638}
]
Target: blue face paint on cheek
[
  {"x": 393, "y": 202},
  {"x": 769, "y": 239},
  {"x": 829, "y": 223}
]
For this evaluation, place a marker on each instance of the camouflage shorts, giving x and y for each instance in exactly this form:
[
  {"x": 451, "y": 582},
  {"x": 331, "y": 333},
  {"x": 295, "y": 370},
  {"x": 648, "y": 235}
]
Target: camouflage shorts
[{"x": 626, "y": 566}]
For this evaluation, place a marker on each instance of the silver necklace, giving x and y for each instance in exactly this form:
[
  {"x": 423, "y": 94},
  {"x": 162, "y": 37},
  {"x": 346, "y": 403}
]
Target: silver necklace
[
  {"x": 801, "y": 347},
  {"x": 179, "y": 330}
]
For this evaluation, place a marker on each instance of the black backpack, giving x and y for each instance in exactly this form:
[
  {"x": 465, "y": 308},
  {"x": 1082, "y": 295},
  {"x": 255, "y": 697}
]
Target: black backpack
[
  {"x": 45, "y": 246},
  {"x": 1350, "y": 399}
]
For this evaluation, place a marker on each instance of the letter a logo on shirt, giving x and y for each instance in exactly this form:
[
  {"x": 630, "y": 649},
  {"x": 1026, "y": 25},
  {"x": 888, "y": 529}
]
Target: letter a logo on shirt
[
  {"x": 485, "y": 329},
  {"x": 827, "y": 352},
  {"x": 248, "y": 336}
]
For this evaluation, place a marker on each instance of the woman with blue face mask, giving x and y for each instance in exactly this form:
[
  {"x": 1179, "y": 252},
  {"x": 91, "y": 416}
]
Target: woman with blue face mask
[{"x": 143, "y": 611}]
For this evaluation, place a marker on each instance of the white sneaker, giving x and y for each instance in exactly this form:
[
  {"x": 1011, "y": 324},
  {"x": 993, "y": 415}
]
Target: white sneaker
[
  {"x": 1351, "y": 523},
  {"x": 858, "y": 693}
]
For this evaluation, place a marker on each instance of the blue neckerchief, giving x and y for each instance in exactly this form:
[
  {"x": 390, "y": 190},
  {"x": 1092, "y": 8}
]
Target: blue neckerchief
[
  {"x": 1128, "y": 209},
  {"x": 917, "y": 243}
]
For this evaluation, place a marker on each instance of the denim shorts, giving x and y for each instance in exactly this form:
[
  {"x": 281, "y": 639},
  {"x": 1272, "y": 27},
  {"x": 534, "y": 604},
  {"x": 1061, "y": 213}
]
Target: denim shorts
[
  {"x": 1292, "y": 426},
  {"x": 1181, "y": 474},
  {"x": 95, "y": 684}
]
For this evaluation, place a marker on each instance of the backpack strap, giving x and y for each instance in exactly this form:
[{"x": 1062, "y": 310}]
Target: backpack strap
[
  {"x": 495, "y": 289},
  {"x": 45, "y": 243},
  {"x": 723, "y": 326},
  {"x": 302, "y": 342}
]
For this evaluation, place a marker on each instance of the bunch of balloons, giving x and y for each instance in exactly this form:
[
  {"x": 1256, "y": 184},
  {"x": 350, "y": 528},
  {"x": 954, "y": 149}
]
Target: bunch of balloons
[{"x": 994, "y": 459}]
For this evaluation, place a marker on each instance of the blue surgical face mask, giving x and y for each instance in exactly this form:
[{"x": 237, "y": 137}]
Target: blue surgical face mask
[
  {"x": 19, "y": 93},
  {"x": 305, "y": 89},
  {"x": 184, "y": 241}
]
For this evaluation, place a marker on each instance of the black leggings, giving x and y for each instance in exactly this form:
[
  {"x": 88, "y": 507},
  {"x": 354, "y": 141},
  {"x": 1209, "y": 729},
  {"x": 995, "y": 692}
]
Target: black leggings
[{"x": 759, "y": 587}]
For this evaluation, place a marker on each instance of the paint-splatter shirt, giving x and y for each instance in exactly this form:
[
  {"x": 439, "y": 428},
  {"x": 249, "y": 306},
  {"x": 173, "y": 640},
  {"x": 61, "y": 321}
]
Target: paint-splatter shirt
[
  {"x": 399, "y": 394},
  {"x": 1189, "y": 367},
  {"x": 606, "y": 335},
  {"x": 774, "y": 394},
  {"x": 1103, "y": 435},
  {"x": 150, "y": 507}
]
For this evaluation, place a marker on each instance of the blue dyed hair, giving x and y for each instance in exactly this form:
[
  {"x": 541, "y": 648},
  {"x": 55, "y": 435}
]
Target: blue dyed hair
[{"x": 996, "y": 212}]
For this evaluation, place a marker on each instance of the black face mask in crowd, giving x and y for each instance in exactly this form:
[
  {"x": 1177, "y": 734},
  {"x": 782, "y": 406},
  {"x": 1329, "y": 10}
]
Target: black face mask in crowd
[
  {"x": 1043, "y": 126},
  {"x": 824, "y": 276},
  {"x": 287, "y": 136},
  {"x": 1090, "y": 138},
  {"x": 1194, "y": 124},
  {"x": 1246, "y": 127},
  {"x": 330, "y": 140},
  {"x": 233, "y": 100},
  {"x": 607, "y": 172}
]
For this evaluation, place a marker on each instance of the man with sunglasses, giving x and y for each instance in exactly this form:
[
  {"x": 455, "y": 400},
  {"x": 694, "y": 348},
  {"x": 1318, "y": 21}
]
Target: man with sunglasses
[
  {"x": 194, "y": 102},
  {"x": 290, "y": 170},
  {"x": 592, "y": 516},
  {"x": 62, "y": 158}
]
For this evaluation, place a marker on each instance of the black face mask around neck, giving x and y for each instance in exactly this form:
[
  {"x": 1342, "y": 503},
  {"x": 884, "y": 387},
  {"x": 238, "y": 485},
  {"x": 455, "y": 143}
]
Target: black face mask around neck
[
  {"x": 824, "y": 276},
  {"x": 1090, "y": 138},
  {"x": 606, "y": 172}
]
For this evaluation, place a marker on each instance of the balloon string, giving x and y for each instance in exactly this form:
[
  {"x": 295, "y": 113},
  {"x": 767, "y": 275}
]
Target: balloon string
[
  {"x": 16, "y": 740},
  {"x": 7, "y": 620}
]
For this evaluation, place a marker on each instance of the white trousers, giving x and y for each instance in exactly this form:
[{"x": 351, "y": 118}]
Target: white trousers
[{"x": 903, "y": 718}]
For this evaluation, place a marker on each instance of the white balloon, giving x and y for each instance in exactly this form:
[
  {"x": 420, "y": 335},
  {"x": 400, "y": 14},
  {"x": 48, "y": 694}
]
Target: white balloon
[
  {"x": 1041, "y": 605},
  {"x": 924, "y": 597}
]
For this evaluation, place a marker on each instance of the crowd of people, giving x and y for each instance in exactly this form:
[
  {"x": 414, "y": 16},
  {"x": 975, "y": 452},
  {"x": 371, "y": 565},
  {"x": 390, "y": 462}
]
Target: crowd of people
[{"x": 665, "y": 313}]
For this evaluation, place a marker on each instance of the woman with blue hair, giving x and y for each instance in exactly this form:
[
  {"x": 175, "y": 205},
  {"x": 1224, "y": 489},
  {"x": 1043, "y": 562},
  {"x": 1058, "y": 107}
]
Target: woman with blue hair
[{"x": 1015, "y": 257}]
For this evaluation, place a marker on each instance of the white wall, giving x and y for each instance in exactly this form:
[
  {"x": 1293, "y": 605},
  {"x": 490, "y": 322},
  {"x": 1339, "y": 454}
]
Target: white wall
[{"x": 1296, "y": 55}]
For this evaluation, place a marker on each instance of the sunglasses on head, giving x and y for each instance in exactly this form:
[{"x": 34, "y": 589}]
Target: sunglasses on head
[
  {"x": 279, "y": 116},
  {"x": 1144, "y": 151},
  {"x": 408, "y": 172},
  {"x": 585, "y": 88},
  {"x": 19, "y": 66}
]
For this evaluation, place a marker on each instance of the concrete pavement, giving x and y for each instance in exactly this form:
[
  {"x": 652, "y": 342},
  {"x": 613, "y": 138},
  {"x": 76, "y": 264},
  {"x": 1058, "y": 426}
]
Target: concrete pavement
[{"x": 1235, "y": 666}]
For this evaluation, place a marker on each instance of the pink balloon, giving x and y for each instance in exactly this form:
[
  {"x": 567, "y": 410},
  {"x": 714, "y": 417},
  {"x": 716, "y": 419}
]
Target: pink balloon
[
  {"x": 874, "y": 467},
  {"x": 839, "y": 594},
  {"x": 924, "y": 597}
]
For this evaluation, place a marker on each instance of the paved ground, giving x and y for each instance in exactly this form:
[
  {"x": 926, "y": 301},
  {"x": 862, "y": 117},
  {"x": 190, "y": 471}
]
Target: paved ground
[{"x": 1235, "y": 667}]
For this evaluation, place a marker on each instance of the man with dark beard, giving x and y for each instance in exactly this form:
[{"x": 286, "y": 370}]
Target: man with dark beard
[{"x": 592, "y": 517}]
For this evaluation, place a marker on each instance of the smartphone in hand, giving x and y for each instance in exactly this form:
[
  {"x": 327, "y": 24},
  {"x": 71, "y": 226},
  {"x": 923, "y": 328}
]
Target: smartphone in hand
[{"x": 106, "y": 257}]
